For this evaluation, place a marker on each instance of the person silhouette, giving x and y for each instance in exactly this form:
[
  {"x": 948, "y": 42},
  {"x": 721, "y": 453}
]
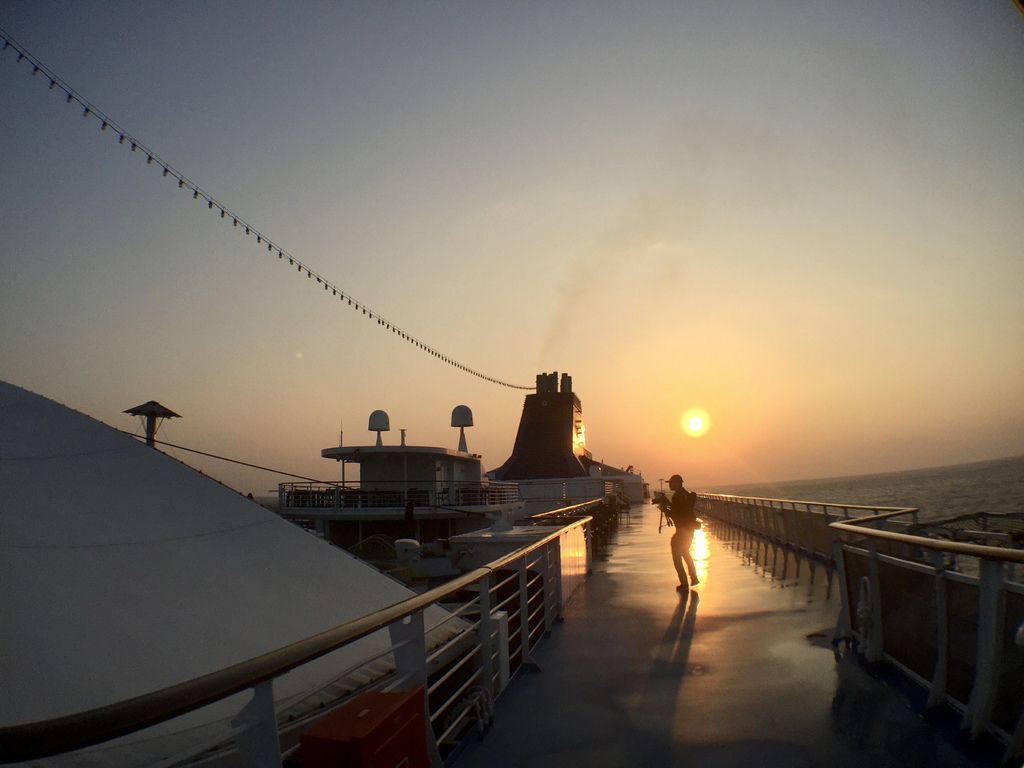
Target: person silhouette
[{"x": 680, "y": 512}]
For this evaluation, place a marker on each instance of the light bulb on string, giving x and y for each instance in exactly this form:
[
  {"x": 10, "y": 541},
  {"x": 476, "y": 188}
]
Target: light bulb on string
[{"x": 183, "y": 183}]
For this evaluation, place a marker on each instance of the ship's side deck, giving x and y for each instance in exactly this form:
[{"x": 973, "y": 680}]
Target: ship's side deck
[{"x": 738, "y": 672}]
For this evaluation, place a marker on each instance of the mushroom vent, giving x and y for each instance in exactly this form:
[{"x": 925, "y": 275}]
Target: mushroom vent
[{"x": 462, "y": 416}]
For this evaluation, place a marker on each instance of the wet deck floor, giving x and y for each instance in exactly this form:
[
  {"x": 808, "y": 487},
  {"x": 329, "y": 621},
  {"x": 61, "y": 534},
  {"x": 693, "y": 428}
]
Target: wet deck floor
[{"x": 737, "y": 673}]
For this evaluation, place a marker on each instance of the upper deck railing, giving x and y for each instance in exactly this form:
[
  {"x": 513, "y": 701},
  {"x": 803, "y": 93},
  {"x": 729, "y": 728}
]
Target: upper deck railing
[
  {"x": 956, "y": 627},
  {"x": 393, "y": 494},
  {"x": 508, "y": 604}
]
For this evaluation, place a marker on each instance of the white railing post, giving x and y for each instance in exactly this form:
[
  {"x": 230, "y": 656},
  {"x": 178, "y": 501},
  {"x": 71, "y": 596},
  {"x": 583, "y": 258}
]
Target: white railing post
[
  {"x": 1016, "y": 745},
  {"x": 845, "y": 624},
  {"x": 937, "y": 695},
  {"x": 504, "y": 670},
  {"x": 410, "y": 649},
  {"x": 559, "y": 587},
  {"x": 876, "y": 638},
  {"x": 545, "y": 587},
  {"x": 990, "y": 647},
  {"x": 487, "y": 630},
  {"x": 256, "y": 730},
  {"x": 524, "y": 614},
  {"x": 587, "y": 535}
]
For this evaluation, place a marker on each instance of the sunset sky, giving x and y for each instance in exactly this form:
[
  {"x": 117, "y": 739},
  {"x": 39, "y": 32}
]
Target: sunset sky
[{"x": 805, "y": 219}]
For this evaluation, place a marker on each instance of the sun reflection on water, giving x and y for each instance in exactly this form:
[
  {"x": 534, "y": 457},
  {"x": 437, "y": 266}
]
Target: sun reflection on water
[{"x": 700, "y": 553}]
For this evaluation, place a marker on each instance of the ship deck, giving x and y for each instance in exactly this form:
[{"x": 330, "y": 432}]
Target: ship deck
[{"x": 738, "y": 672}]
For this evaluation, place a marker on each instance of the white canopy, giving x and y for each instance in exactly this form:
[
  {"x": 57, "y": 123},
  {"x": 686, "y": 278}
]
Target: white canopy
[{"x": 123, "y": 571}]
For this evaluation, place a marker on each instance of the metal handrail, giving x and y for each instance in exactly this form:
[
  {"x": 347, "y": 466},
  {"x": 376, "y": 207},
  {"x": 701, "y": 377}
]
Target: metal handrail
[
  {"x": 44, "y": 738},
  {"x": 352, "y": 495},
  {"x": 890, "y": 511},
  {"x": 982, "y": 551},
  {"x": 565, "y": 510},
  {"x": 859, "y": 527},
  {"x": 863, "y": 541}
]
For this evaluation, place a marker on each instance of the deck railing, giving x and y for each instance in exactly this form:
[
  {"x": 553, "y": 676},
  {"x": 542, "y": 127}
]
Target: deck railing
[
  {"x": 795, "y": 529},
  {"x": 342, "y": 496},
  {"x": 507, "y": 606},
  {"x": 959, "y": 633}
]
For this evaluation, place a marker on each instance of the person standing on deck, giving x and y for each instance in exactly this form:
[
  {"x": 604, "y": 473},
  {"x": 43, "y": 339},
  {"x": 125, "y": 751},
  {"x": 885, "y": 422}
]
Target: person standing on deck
[{"x": 681, "y": 513}]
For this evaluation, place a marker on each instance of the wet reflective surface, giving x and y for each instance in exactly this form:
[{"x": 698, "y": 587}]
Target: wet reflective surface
[{"x": 738, "y": 672}]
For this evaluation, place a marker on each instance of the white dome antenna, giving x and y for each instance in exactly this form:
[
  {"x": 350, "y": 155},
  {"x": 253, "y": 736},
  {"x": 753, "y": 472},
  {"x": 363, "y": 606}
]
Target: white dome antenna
[
  {"x": 462, "y": 417},
  {"x": 379, "y": 422}
]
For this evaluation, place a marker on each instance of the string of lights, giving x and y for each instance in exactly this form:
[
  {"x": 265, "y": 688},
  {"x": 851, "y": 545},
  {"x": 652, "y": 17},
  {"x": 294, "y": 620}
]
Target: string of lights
[{"x": 272, "y": 247}]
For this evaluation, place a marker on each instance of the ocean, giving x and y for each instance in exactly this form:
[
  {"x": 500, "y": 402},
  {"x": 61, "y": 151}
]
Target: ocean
[{"x": 939, "y": 492}]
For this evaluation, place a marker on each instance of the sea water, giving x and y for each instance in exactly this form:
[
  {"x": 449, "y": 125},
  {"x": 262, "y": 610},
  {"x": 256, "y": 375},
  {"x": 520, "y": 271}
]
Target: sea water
[{"x": 939, "y": 492}]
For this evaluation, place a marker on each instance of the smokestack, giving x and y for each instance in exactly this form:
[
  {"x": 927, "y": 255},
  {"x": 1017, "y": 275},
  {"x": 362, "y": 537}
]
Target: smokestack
[{"x": 548, "y": 442}]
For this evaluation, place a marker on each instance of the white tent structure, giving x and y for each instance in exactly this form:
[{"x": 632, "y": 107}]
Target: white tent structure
[{"x": 123, "y": 571}]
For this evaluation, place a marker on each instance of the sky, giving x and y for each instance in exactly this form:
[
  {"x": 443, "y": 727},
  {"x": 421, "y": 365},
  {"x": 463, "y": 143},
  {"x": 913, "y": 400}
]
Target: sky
[{"x": 802, "y": 218}]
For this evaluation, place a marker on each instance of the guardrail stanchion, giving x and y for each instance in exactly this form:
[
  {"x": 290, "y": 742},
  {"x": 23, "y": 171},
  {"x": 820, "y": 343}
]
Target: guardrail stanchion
[
  {"x": 408, "y": 638},
  {"x": 844, "y": 626},
  {"x": 876, "y": 636},
  {"x": 524, "y": 613},
  {"x": 256, "y": 730},
  {"x": 486, "y": 631},
  {"x": 990, "y": 647},
  {"x": 504, "y": 667},
  {"x": 588, "y": 536},
  {"x": 1016, "y": 745},
  {"x": 544, "y": 566},
  {"x": 937, "y": 694},
  {"x": 559, "y": 574}
]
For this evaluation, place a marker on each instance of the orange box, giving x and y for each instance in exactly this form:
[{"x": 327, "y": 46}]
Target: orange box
[{"x": 374, "y": 730}]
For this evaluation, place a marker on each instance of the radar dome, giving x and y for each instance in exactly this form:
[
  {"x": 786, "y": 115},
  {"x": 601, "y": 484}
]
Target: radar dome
[
  {"x": 379, "y": 422},
  {"x": 462, "y": 416}
]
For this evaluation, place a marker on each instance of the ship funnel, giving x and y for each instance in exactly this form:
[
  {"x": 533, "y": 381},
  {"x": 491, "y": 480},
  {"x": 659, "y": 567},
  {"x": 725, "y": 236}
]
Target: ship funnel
[
  {"x": 550, "y": 442},
  {"x": 379, "y": 422},
  {"x": 462, "y": 417}
]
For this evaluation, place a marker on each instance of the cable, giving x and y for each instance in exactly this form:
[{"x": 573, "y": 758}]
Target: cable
[
  {"x": 225, "y": 458},
  {"x": 152, "y": 158},
  {"x": 277, "y": 471}
]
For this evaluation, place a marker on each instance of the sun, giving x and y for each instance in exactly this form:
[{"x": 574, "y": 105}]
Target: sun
[{"x": 695, "y": 422}]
